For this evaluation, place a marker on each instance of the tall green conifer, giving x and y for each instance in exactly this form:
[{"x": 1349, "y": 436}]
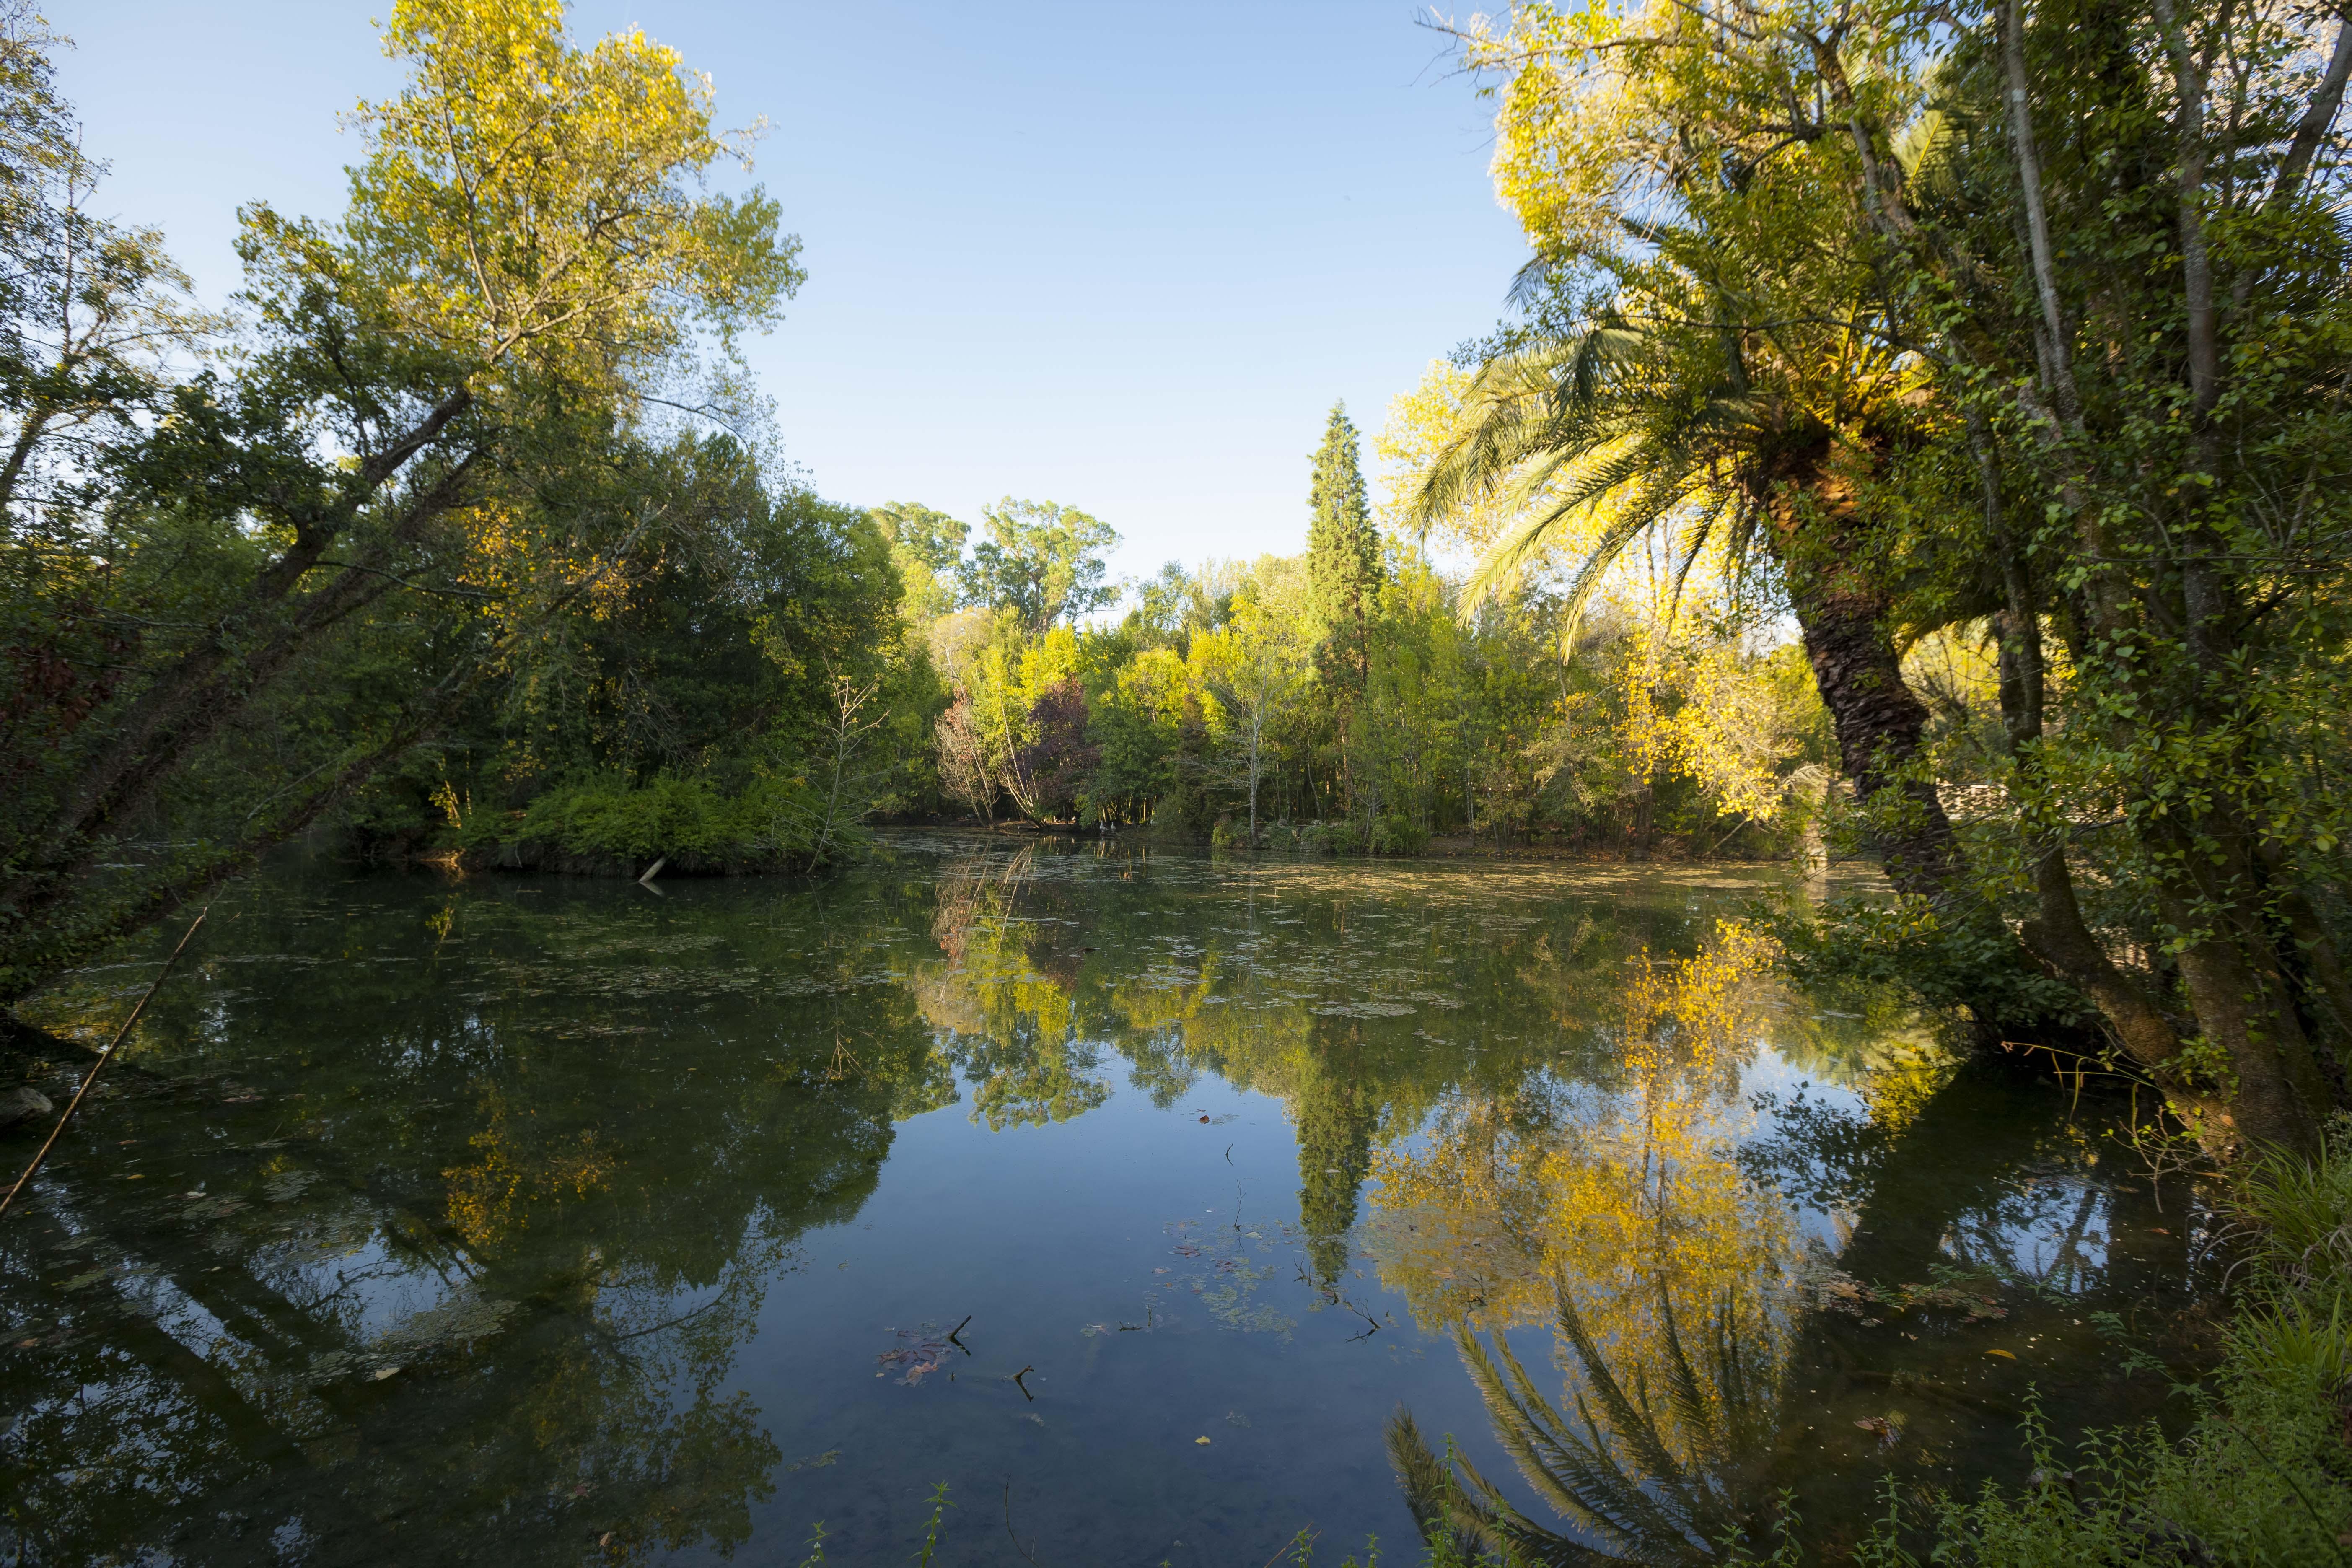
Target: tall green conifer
[{"x": 1343, "y": 556}]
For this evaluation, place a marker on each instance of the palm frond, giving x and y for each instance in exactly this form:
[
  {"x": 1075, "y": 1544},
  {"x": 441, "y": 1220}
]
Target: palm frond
[{"x": 1579, "y": 1476}]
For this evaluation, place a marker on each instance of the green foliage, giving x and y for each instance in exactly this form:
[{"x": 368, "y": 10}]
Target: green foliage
[
  {"x": 940, "y": 1505},
  {"x": 1343, "y": 555},
  {"x": 925, "y": 546},
  {"x": 754, "y": 640},
  {"x": 770, "y": 824},
  {"x": 1041, "y": 561},
  {"x": 1396, "y": 835},
  {"x": 422, "y": 457},
  {"x": 1945, "y": 959}
]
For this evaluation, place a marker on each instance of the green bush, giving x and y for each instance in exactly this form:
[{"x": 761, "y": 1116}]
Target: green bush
[
  {"x": 1339, "y": 838},
  {"x": 1397, "y": 835},
  {"x": 772, "y": 823},
  {"x": 1906, "y": 943}
]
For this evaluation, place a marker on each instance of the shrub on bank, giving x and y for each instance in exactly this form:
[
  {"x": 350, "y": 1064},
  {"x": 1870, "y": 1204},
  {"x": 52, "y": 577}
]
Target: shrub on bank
[{"x": 617, "y": 828}]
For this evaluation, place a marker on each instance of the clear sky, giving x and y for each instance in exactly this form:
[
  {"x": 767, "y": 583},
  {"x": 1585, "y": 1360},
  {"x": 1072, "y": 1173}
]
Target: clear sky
[{"x": 1118, "y": 255}]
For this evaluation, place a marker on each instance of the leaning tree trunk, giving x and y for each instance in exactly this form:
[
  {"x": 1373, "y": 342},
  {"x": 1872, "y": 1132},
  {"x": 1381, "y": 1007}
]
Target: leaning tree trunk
[
  {"x": 1880, "y": 726},
  {"x": 1858, "y": 670},
  {"x": 1818, "y": 536}
]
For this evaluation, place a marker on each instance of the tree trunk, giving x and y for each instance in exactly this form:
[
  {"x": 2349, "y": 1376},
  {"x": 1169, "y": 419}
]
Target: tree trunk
[{"x": 1879, "y": 727}]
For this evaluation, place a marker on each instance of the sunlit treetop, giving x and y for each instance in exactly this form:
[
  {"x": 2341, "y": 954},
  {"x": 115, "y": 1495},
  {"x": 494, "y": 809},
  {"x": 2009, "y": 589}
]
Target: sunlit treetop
[{"x": 527, "y": 200}]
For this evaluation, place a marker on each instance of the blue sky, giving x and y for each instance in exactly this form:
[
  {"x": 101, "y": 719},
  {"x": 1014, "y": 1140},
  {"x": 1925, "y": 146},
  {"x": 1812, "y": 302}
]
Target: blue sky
[{"x": 1118, "y": 255}]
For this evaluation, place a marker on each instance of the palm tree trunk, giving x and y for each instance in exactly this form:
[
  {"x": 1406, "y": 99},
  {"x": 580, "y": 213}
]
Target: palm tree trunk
[{"x": 1880, "y": 726}]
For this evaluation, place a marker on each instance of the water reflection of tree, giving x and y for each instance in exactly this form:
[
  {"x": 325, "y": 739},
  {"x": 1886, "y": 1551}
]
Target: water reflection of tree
[
  {"x": 1626, "y": 1190},
  {"x": 1667, "y": 1473},
  {"x": 1006, "y": 1000},
  {"x": 1312, "y": 986},
  {"x": 1336, "y": 1110},
  {"x": 457, "y": 1289},
  {"x": 1716, "y": 1358}
]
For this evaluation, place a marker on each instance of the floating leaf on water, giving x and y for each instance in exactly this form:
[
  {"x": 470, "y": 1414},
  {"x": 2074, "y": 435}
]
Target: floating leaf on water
[
  {"x": 918, "y": 1351},
  {"x": 2005, "y": 1355},
  {"x": 1202, "y": 1442},
  {"x": 288, "y": 1186},
  {"x": 1888, "y": 1430},
  {"x": 454, "y": 1324}
]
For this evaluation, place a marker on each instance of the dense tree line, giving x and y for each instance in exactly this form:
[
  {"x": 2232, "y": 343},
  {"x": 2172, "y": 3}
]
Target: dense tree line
[
  {"x": 1351, "y": 698},
  {"x": 454, "y": 522}
]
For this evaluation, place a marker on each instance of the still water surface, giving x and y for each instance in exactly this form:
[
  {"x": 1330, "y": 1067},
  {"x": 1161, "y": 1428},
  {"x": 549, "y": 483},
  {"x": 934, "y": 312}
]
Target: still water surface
[{"x": 508, "y": 1220}]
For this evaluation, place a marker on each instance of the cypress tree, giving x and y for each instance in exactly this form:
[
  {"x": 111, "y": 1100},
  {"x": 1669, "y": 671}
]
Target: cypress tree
[{"x": 1343, "y": 556}]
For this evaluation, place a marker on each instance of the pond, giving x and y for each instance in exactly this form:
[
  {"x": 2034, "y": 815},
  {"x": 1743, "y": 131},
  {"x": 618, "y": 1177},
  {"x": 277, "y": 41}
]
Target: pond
[{"x": 1126, "y": 1195}]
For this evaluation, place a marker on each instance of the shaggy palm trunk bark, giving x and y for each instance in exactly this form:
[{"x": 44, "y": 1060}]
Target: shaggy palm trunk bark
[
  {"x": 1858, "y": 670},
  {"x": 1880, "y": 727}
]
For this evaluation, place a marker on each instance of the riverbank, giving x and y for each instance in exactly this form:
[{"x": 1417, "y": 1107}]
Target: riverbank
[{"x": 1348, "y": 840}]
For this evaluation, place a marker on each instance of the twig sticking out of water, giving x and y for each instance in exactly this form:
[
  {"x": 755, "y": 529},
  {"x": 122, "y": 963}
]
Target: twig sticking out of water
[
  {"x": 957, "y": 1329},
  {"x": 1026, "y": 1552},
  {"x": 1023, "y": 1386},
  {"x": 99, "y": 1065}
]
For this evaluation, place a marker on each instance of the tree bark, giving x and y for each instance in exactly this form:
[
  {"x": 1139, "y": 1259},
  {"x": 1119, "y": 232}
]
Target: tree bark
[{"x": 1879, "y": 726}]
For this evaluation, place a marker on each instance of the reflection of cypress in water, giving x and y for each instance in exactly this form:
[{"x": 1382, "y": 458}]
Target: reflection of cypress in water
[{"x": 1335, "y": 1114}]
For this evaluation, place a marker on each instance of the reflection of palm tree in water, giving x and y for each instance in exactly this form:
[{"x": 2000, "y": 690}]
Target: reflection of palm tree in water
[
  {"x": 1666, "y": 1476},
  {"x": 1334, "y": 1111},
  {"x": 1667, "y": 1459}
]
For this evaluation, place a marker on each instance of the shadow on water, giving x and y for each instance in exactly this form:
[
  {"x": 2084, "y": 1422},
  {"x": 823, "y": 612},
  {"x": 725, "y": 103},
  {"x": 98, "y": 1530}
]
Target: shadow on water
[{"x": 522, "y": 1221}]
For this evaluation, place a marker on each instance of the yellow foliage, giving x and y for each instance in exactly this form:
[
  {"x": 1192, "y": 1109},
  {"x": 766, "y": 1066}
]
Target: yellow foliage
[
  {"x": 495, "y": 1196},
  {"x": 1630, "y": 1197},
  {"x": 1563, "y": 124},
  {"x": 524, "y": 197}
]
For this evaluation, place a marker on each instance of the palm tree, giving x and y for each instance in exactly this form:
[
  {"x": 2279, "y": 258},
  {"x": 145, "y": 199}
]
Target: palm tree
[{"x": 1657, "y": 411}]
